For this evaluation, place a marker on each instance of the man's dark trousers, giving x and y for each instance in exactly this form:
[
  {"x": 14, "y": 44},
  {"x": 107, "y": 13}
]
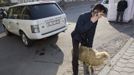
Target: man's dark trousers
[
  {"x": 75, "y": 57},
  {"x": 119, "y": 16}
]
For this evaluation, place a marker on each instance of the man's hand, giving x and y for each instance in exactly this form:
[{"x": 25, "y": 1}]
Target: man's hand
[{"x": 94, "y": 18}]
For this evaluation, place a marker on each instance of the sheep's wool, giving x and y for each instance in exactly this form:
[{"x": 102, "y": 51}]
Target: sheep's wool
[{"x": 91, "y": 56}]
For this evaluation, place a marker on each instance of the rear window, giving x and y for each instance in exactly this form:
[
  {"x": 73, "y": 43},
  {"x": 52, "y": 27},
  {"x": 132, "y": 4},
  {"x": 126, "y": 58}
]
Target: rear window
[{"x": 44, "y": 10}]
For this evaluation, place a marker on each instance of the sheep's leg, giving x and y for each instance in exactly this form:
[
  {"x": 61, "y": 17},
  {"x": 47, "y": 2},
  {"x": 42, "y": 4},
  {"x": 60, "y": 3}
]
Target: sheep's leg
[
  {"x": 86, "y": 71},
  {"x": 92, "y": 70}
]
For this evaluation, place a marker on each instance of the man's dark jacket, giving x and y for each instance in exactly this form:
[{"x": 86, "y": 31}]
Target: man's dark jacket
[
  {"x": 84, "y": 30},
  {"x": 122, "y": 5}
]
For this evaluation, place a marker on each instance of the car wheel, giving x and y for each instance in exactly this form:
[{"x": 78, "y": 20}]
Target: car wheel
[{"x": 25, "y": 40}]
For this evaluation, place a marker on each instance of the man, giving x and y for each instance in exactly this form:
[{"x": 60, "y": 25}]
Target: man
[
  {"x": 122, "y": 5},
  {"x": 84, "y": 33},
  {"x": 2, "y": 13}
]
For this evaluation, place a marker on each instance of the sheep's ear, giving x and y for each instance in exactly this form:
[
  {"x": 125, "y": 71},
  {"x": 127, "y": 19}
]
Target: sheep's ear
[{"x": 107, "y": 55}]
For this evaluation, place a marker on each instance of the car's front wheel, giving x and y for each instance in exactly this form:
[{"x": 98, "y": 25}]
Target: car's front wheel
[{"x": 25, "y": 39}]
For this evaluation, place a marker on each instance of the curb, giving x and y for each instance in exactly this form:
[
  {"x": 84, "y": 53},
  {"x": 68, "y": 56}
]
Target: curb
[
  {"x": 114, "y": 60},
  {"x": 2, "y": 34}
]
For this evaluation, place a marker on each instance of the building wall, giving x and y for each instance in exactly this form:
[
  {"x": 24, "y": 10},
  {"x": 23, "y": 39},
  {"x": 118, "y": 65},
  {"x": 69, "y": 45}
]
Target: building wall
[
  {"x": 14, "y": 1},
  {"x": 4, "y": 1},
  {"x": 22, "y": 1}
]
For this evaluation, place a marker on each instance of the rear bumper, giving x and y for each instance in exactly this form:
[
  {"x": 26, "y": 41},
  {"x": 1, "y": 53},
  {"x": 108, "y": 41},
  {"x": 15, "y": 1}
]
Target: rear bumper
[{"x": 36, "y": 36}]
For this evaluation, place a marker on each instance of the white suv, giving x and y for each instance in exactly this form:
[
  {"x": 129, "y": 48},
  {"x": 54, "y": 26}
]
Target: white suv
[{"x": 35, "y": 20}]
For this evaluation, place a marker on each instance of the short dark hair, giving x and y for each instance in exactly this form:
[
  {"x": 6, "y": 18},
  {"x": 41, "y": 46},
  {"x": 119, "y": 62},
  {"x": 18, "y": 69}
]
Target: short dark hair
[{"x": 100, "y": 7}]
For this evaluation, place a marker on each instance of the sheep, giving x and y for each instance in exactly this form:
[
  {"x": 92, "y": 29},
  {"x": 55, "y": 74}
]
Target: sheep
[{"x": 92, "y": 57}]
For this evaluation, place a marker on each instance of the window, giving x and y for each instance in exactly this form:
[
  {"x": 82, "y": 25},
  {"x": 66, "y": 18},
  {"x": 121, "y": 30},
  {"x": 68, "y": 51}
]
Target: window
[
  {"x": 44, "y": 10},
  {"x": 10, "y": 12},
  {"x": 26, "y": 13},
  {"x": 19, "y": 12},
  {"x": 15, "y": 12}
]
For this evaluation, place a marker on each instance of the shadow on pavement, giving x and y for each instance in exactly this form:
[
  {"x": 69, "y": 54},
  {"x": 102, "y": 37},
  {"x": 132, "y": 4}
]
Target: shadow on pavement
[
  {"x": 43, "y": 58},
  {"x": 126, "y": 28}
]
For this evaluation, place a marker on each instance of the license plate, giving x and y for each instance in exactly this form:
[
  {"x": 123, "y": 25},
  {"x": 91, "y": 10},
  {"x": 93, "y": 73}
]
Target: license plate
[{"x": 52, "y": 23}]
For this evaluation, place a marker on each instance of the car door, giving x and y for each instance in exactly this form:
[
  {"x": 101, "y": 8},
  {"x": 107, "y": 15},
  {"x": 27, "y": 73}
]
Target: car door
[
  {"x": 12, "y": 20},
  {"x": 8, "y": 21},
  {"x": 18, "y": 19},
  {"x": 15, "y": 24}
]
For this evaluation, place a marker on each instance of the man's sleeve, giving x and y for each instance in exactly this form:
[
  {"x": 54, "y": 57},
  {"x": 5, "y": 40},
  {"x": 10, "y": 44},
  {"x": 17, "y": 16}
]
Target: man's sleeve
[
  {"x": 126, "y": 4},
  {"x": 118, "y": 5},
  {"x": 83, "y": 26}
]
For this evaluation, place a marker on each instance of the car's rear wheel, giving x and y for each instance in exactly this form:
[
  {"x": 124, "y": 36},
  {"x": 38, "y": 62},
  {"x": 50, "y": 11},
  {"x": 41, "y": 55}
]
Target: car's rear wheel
[{"x": 25, "y": 39}]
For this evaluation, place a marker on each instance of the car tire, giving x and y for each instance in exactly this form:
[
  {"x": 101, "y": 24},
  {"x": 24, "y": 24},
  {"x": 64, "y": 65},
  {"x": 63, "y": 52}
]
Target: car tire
[{"x": 26, "y": 41}]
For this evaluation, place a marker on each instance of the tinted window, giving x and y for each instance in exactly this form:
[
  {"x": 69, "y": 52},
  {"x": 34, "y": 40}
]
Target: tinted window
[
  {"x": 19, "y": 10},
  {"x": 26, "y": 14},
  {"x": 15, "y": 12},
  {"x": 44, "y": 10},
  {"x": 9, "y": 13}
]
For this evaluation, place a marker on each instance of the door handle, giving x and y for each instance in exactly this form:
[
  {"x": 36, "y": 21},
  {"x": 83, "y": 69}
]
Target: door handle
[{"x": 10, "y": 22}]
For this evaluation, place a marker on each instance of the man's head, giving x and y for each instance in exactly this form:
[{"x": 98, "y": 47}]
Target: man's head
[{"x": 99, "y": 10}]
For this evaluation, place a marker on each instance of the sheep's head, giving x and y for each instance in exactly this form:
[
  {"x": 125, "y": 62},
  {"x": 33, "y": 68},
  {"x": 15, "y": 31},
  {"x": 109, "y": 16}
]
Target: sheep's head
[
  {"x": 105, "y": 55},
  {"x": 102, "y": 55}
]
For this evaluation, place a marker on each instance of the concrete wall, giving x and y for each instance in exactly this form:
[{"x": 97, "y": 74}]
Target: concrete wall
[{"x": 22, "y": 1}]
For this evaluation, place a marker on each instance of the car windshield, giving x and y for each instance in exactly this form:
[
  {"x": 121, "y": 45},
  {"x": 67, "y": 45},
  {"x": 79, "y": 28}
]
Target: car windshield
[{"x": 44, "y": 10}]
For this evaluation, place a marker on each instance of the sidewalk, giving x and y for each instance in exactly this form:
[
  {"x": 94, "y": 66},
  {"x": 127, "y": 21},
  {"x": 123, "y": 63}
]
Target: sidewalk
[{"x": 123, "y": 62}]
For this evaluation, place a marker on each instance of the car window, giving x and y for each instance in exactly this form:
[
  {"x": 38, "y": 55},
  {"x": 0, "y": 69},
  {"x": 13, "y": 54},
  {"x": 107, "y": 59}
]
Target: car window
[
  {"x": 10, "y": 13},
  {"x": 26, "y": 14},
  {"x": 44, "y": 10},
  {"x": 14, "y": 14},
  {"x": 19, "y": 12}
]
